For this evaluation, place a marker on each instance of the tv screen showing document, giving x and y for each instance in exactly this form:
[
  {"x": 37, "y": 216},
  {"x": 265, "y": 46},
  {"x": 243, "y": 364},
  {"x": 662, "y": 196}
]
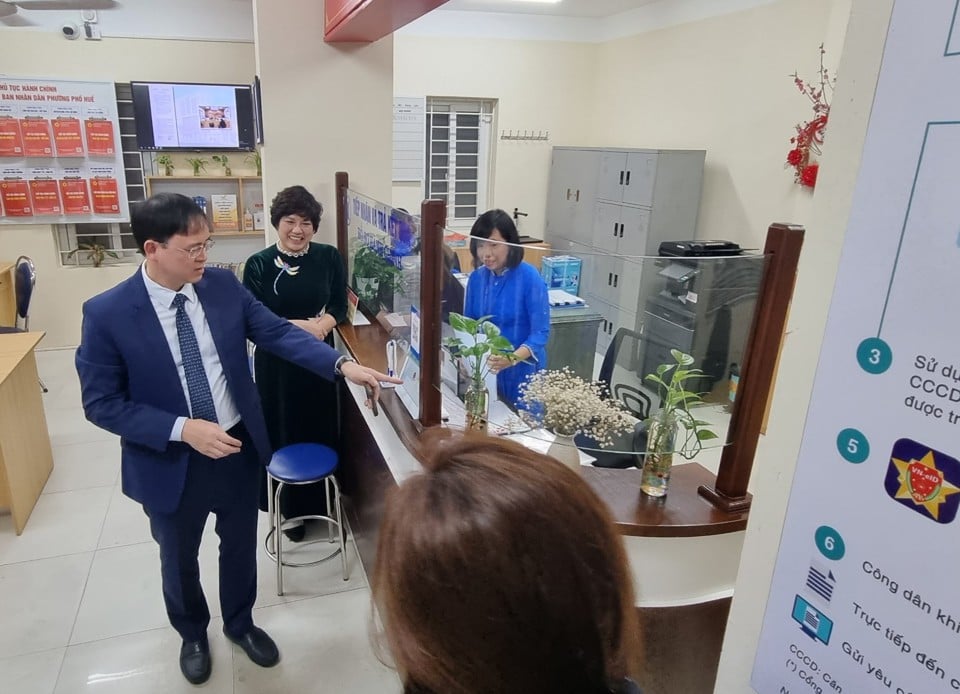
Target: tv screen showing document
[{"x": 180, "y": 116}]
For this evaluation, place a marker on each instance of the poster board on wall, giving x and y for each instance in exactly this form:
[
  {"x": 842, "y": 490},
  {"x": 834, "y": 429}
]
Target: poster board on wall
[
  {"x": 864, "y": 593},
  {"x": 60, "y": 155}
]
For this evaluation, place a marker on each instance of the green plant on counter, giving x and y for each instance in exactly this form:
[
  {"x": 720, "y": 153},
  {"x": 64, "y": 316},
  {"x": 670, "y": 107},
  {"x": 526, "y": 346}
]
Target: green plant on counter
[
  {"x": 676, "y": 402},
  {"x": 223, "y": 161},
  {"x": 95, "y": 253},
  {"x": 373, "y": 275},
  {"x": 488, "y": 342},
  {"x": 254, "y": 158},
  {"x": 198, "y": 165},
  {"x": 166, "y": 161}
]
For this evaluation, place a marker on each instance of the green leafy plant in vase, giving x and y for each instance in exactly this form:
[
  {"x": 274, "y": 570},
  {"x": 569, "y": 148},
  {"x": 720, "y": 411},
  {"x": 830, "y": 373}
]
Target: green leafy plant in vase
[
  {"x": 663, "y": 427},
  {"x": 254, "y": 158},
  {"x": 223, "y": 161},
  {"x": 94, "y": 251},
  {"x": 198, "y": 164},
  {"x": 375, "y": 279},
  {"x": 488, "y": 342},
  {"x": 166, "y": 162}
]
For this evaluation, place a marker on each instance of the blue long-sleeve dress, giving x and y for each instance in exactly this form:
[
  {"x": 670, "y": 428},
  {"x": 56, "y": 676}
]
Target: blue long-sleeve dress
[{"x": 517, "y": 301}]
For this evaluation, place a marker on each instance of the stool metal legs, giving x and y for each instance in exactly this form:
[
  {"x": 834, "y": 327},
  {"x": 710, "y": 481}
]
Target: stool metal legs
[{"x": 274, "y": 541}]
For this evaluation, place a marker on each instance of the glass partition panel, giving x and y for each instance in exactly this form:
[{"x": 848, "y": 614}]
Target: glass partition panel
[
  {"x": 585, "y": 342},
  {"x": 383, "y": 263}
]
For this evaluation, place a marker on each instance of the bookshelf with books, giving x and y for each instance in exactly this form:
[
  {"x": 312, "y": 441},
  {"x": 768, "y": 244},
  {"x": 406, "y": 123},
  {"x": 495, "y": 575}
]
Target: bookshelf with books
[{"x": 234, "y": 204}]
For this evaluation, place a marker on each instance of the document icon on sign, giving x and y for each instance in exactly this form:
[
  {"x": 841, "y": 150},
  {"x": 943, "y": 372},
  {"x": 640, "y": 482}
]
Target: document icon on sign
[
  {"x": 812, "y": 621},
  {"x": 821, "y": 582}
]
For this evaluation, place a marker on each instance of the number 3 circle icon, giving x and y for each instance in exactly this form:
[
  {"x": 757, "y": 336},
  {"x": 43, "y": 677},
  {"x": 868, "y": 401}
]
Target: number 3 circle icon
[{"x": 874, "y": 355}]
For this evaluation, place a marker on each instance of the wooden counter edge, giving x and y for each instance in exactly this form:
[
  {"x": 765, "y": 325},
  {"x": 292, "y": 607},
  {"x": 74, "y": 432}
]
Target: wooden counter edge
[{"x": 682, "y": 513}]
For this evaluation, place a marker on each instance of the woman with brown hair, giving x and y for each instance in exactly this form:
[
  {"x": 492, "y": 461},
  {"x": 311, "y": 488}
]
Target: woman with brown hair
[{"x": 499, "y": 570}]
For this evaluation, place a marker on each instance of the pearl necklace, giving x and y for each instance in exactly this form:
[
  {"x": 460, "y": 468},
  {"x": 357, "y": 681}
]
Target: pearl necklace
[{"x": 293, "y": 254}]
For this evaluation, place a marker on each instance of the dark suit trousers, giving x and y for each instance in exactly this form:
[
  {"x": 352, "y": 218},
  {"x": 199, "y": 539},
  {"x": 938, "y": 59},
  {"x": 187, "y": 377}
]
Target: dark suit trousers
[{"x": 227, "y": 487}]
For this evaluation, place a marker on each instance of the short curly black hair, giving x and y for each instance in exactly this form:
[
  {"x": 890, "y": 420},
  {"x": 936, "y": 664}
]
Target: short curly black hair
[{"x": 295, "y": 200}]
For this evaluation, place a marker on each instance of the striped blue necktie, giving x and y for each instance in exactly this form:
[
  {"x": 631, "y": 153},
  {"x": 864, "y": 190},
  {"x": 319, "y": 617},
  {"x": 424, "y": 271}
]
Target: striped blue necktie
[{"x": 201, "y": 399}]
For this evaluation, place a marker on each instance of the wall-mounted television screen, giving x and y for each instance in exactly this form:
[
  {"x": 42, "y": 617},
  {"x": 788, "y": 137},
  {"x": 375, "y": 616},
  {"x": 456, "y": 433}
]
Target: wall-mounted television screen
[{"x": 181, "y": 116}]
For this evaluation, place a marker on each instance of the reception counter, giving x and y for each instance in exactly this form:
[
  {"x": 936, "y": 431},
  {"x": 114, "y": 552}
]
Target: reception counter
[
  {"x": 26, "y": 458},
  {"x": 683, "y": 551}
]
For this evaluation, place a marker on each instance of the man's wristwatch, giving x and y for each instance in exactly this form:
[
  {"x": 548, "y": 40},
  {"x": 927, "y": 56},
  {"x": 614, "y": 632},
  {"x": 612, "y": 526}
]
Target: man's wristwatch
[{"x": 344, "y": 359}]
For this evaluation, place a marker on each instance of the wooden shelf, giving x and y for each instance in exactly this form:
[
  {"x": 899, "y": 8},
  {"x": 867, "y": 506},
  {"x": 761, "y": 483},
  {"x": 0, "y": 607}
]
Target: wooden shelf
[
  {"x": 202, "y": 178},
  {"x": 236, "y": 234}
]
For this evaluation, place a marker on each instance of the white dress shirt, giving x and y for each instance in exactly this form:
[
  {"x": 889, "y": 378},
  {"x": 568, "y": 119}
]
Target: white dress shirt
[{"x": 162, "y": 300}]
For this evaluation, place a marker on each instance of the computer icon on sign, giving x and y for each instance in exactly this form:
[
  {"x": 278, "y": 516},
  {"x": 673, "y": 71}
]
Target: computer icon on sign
[{"x": 813, "y": 622}]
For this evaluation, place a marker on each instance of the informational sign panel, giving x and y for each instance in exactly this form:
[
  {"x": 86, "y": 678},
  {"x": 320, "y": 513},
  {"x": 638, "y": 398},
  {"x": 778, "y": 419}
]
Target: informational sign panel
[
  {"x": 409, "y": 138},
  {"x": 60, "y": 158},
  {"x": 866, "y": 592}
]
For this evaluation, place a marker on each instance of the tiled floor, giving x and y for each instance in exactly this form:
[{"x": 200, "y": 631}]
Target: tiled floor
[{"x": 80, "y": 603}]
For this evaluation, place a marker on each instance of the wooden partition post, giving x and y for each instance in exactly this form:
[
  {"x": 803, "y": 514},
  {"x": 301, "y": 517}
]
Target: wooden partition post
[
  {"x": 341, "y": 186},
  {"x": 433, "y": 218},
  {"x": 782, "y": 253}
]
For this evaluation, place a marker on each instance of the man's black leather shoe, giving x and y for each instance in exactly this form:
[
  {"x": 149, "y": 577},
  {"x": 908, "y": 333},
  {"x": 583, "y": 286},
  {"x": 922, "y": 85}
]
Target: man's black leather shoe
[
  {"x": 195, "y": 661},
  {"x": 258, "y": 646}
]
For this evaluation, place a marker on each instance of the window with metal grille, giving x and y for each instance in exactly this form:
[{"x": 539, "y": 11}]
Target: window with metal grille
[
  {"x": 458, "y": 156},
  {"x": 102, "y": 243}
]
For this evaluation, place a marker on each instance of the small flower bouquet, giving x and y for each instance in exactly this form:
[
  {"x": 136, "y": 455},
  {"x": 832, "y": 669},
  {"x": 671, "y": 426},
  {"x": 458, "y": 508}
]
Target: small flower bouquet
[{"x": 566, "y": 404}]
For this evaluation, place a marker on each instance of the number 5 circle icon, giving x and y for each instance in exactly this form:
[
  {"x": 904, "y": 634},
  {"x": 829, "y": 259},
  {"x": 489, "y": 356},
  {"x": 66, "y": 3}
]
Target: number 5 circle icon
[{"x": 853, "y": 446}]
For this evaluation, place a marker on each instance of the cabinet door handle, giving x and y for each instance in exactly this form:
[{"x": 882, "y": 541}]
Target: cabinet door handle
[
  {"x": 616, "y": 279},
  {"x": 609, "y": 278},
  {"x": 628, "y": 178},
  {"x": 614, "y": 230},
  {"x": 568, "y": 193},
  {"x": 621, "y": 178},
  {"x": 621, "y": 229},
  {"x": 578, "y": 195}
]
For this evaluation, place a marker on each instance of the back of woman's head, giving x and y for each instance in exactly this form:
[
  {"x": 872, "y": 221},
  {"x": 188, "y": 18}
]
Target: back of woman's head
[{"x": 499, "y": 570}]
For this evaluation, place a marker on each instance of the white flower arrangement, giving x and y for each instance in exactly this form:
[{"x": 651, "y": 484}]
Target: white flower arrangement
[{"x": 566, "y": 404}]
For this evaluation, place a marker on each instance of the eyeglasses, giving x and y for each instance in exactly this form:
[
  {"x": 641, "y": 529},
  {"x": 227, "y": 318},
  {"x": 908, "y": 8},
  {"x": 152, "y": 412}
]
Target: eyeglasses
[
  {"x": 194, "y": 251},
  {"x": 304, "y": 224}
]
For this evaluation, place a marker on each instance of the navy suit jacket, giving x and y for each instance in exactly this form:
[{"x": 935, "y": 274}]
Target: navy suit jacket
[{"x": 130, "y": 385}]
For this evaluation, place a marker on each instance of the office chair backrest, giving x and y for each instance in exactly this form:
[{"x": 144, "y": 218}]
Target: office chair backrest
[
  {"x": 620, "y": 371},
  {"x": 25, "y": 280}
]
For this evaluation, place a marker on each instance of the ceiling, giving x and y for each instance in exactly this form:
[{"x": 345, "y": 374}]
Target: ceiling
[{"x": 564, "y": 8}]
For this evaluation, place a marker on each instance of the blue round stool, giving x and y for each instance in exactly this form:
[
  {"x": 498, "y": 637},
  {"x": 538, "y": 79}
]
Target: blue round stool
[{"x": 303, "y": 463}]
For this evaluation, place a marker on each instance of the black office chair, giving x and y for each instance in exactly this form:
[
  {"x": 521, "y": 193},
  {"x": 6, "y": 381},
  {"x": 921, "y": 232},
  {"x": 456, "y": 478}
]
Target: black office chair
[
  {"x": 25, "y": 279},
  {"x": 619, "y": 372}
]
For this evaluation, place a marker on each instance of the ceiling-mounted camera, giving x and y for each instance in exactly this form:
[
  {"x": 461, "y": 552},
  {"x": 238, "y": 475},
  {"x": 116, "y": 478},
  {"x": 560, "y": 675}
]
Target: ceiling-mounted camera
[{"x": 70, "y": 31}]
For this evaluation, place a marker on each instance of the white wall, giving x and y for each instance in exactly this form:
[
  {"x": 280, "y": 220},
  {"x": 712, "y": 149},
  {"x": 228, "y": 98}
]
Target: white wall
[
  {"x": 723, "y": 85},
  {"x": 326, "y": 108},
  {"x": 778, "y": 450},
  {"x": 23, "y": 53},
  {"x": 538, "y": 85}
]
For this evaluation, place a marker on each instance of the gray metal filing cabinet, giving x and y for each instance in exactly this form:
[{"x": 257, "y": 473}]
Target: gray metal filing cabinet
[{"x": 605, "y": 205}]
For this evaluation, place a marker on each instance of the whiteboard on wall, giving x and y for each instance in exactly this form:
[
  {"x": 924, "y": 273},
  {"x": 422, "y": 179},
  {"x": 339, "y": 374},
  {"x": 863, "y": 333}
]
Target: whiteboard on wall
[
  {"x": 409, "y": 137},
  {"x": 864, "y": 593}
]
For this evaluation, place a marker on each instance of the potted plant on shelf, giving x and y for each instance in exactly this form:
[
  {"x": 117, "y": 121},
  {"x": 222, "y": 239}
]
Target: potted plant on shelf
[
  {"x": 223, "y": 161},
  {"x": 375, "y": 280},
  {"x": 254, "y": 158},
  {"x": 663, "y": 430},
  {"x": 487, "y": 342},
  {"x": 198, "y": 164},
  {"x": 567, "y": 405},
  {"x": 95, "y": 253},
  {"x": 166, "y": 162}
]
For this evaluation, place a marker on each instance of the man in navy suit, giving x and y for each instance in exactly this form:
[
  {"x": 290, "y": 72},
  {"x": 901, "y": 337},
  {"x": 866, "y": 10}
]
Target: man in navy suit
[{"x": 163, "y": 364}]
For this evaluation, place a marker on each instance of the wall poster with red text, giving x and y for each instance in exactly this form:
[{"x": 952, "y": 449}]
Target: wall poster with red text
[{"x": 59, "y": 149}]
